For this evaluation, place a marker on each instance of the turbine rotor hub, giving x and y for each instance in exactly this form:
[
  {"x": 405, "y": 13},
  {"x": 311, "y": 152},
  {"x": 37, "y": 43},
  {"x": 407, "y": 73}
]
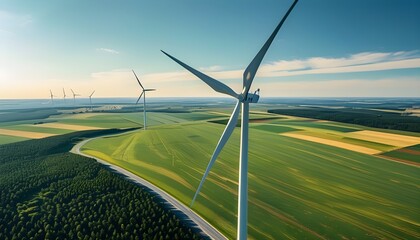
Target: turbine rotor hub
[{"x": 251, "y": 97}]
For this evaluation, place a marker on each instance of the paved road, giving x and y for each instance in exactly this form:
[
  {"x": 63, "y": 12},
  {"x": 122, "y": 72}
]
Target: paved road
[{"x": 206, "y": 227}]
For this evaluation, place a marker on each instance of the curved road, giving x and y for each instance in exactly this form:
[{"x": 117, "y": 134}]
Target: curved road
[{"x": 206, "y": 227}]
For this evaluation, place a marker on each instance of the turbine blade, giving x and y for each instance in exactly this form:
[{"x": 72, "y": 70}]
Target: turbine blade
[
  {"x": 149, "y": 89},
  {"x": 92, "y": 93},
  {"x": 213, "y": 83},
  {"x": 139, "y": 97},
  {"x": 72, "y": 91},
  {"x": 252, "y": 68},
  {"x": 222, "y": 141},
  {"x": 138, "y": 80}
]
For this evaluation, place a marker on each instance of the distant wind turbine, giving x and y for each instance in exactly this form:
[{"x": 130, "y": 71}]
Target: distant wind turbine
[
  {"x": 144, "y": 90},
  {"x": 74, "y": 96},
  {"x": 90, "y": 99},
  {"x": 52, "y": 97},
  {"x": 64, "y": 96},
  {"x": 243, "y": 99}
]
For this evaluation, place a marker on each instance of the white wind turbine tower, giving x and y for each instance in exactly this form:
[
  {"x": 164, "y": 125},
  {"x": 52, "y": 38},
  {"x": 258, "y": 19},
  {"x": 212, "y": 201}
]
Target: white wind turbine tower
[
  {"x": 90, "y": 99},
  {"x": 243, "y": 99},
  {"x": 52, "y": 97},
  {"x": 144, "y": 90},
  {"x": 64, "y": 96},
  {"x": 74, "y": 96}
]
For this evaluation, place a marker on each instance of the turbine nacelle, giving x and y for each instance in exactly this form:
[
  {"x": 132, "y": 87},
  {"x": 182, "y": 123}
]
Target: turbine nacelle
[{"x": 252, "y": 97}]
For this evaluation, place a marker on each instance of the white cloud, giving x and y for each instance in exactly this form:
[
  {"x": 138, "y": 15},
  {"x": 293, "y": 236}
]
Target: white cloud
[
  {"x": 388, "y": 87},
  {"x": 360, "y": 62},
  {"x": 214, "y": 68},
  {"x": 108, "y": 50},
  {"x": 10, "y": 21}
]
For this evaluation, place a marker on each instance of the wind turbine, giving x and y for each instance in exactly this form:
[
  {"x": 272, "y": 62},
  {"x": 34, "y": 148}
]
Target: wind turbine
[
  {"x": 74, "y": 96},
  {"x": 243, "y": 99},
  {"x": 90, "y": 99},
  {"x": 143, "y": 92},
  {"x": 64, "y": 96},
  {"x": 52, "y": 97}
]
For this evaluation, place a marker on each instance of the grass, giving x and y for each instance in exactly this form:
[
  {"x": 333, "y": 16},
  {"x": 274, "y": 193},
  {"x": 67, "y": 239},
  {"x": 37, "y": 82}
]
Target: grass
[
  {"x": 34, "y": 128},
  {"x": 342, "y": 138},
  {"x": 318, "y": 125},
  {"x": 403, "y": 156},
  {"x": 411, "y": 154},
  {"x": 341, "y": 132},
  {"x": 4, "y": 139},
  {"x": 196, "y": 116},
  {"x": 369, "y": 144},
  {"x": 102, "y": 120},
  {"x": 273, "y": 128},
  {"x": 125, "y": 120},
  {"x": 415, "y": 147},
  {"x": 297, "y": 189}
]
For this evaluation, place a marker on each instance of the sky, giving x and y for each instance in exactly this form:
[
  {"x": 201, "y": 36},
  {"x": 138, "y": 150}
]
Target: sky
[{"x": 326, "y": 48}]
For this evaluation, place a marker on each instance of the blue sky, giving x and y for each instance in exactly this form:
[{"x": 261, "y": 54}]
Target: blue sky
[{"x": 326, "y": 48}]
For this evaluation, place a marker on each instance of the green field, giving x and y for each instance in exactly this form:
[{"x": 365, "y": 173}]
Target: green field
[
  {"x": 273, "y": 128},
  {"x": 34, "y": 128},
  {"x": 407, "y": 154},
  {"x": 298, "y": 189},
  {"x": 10, "y": 139},
  {"x": 29, "y": 120},
  {"x": 125, "y": 120},
  {"x": 106, "y": 120},
  {"x": 373, "y": 145},
  {"x": 415, "y": 147},
  {"x": 318, "y": 125},
  {"x": 357, "y": 115}
]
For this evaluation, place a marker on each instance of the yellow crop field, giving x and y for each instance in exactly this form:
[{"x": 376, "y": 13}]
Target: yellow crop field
[
  {"x": 68, "y": 126},
  {"x": 385, "y": 138},
  {"x": 25, "y": 134},
  {"x": 333, "y": 143}
]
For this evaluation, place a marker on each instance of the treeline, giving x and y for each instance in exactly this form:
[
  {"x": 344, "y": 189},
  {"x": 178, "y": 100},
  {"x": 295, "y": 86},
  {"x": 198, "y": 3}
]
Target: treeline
[
  {"x": 28, "y": 114},
  {"x": 365, "y": 117},
  {"x": 137, "y": 109},
  {"x": 48, "y": 193}
]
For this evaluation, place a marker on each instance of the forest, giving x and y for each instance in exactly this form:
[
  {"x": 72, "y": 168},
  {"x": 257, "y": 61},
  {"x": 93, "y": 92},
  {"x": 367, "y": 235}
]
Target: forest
[
  {"x": 48, "y": 193},
  {"x": 364, "y": 117}
]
